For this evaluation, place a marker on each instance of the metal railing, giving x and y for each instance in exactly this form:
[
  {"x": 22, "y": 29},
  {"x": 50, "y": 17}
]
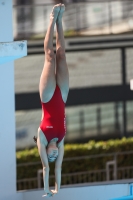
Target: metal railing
[
  {"x": 113, "y": 162},
  {"x": 74, "y": 178},
  {"x": 107, "y": 174},
  {"x": 92, "y": 17}
]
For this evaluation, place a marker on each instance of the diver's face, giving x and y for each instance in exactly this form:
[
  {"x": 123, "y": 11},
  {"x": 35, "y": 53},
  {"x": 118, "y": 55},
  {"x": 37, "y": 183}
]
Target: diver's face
[{"x": 52, "y": 153}]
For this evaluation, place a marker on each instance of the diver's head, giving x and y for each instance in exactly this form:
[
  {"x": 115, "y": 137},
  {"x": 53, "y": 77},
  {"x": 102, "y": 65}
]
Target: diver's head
[{"x": 52, "y": 151}]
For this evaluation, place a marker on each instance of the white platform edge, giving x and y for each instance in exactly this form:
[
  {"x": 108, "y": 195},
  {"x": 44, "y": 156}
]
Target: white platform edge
[{"x": 10, "y": 51}]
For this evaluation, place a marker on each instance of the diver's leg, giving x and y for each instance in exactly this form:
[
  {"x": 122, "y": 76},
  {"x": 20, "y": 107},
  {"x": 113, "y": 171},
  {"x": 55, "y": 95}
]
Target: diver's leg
[
  {"x": 62, "y": 76},
  {"x": 47, "y": 79}
]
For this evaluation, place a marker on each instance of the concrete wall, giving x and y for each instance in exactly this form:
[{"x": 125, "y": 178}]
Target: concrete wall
[{"x": 7, "y": 108}]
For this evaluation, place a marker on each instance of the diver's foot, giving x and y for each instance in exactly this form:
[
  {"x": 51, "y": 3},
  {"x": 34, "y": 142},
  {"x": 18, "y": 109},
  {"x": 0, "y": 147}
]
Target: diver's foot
[
  {"x": 55, "y": 12},
  {"x": 60, "y": 14}
]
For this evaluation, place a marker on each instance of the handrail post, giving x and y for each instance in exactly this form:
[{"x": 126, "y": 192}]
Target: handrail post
[
  {"x": 110, "y": 16},
  {"x": 112, "y": 162},
  {"x": 107, "y": 172},
  {"x": 39, "y": 178},
  {"x": 115, "y": 166},
  {"x": 45, "y": 17},
  {"x": 123, "y": 58}
]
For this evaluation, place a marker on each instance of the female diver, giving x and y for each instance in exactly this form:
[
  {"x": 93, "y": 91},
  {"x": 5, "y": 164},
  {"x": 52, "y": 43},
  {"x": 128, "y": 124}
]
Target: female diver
[{"x": 53, "y": 88}]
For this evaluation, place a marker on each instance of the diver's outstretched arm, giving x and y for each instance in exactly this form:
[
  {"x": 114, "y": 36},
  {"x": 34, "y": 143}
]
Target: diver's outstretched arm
[{"x": 58, "y": 168}]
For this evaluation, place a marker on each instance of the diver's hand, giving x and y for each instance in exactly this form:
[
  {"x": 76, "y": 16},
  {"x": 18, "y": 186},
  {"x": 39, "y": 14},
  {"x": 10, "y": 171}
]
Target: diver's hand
[{"x": 48, "y": 193}]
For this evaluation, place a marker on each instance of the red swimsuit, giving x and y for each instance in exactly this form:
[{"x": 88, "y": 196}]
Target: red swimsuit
[{"x": 53, "y": 124}]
